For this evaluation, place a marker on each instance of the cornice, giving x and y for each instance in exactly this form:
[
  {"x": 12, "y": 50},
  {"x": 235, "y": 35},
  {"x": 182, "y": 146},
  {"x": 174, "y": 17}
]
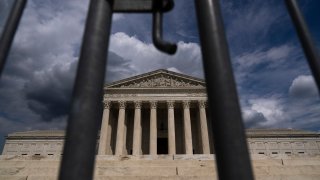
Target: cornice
[
  {"x": 155, "y": 73},
  {"x": 250, "y": 133},
  {"x": 153, "y": 90}
]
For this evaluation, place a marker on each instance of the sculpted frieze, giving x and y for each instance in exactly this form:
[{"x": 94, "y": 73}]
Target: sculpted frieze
[
  {"x": 161, "y": 81},
  {"x": 107, "y": 97},
  {"x": 197, "y": 94},
  {"x": 120, "y": 95}
]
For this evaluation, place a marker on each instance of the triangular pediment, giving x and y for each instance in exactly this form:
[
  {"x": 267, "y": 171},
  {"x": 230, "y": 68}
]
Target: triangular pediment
[{"x": 159, "y": 79}]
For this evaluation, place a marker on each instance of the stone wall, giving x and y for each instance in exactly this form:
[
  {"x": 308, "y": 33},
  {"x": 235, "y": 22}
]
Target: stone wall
[
  {"x": 33, "y": 147},
  {"x": 266, "y": 146}
]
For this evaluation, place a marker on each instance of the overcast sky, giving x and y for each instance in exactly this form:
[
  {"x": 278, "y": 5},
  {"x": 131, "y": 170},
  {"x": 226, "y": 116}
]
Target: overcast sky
[{"x": 273, "y": 79}]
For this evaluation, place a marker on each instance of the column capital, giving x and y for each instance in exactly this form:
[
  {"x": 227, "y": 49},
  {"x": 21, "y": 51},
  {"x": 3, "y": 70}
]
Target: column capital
[
  {"x": 202, "y": 104},
  {"x": 153, "y": 104},
  {"x": 170, "y": 104},
  {"x": 107, "y": 104},
  {"x": 122, "y": 104},
  {"x": 137, "y": 104},
  {"x": 186, "y": 104}
]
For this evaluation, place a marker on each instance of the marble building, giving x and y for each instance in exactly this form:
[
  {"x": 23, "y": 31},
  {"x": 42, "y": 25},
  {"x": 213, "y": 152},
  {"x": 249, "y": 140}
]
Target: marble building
[{"x": 161, "y": 112}]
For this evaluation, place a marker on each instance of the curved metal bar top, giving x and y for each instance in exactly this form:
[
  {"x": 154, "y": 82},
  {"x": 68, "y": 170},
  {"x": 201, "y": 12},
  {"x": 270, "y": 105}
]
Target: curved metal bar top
[{"x": 158, "y": 42}]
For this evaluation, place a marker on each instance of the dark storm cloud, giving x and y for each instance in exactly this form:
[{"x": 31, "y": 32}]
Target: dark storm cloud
[
  {"x": 41, "y": 64},
  {"x": 118, "y": 68},
  {"x": 36, "y": 84},
  {"x": 49, "y": 93},
  {"x": 138, "y": 25},
  {"x": 21, "y": 64},
  {"x": 254, "y": 119},
  {"x": 304, "y": 87}
]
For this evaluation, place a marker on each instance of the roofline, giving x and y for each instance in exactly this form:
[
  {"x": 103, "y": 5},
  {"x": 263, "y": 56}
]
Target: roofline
[
  {"x": 249, "y": 134},
  {"x": 152, "y": 73}
]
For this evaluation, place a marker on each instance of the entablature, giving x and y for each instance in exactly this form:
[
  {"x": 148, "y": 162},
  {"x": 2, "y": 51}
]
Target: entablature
[{"x": 156, "y": 97}]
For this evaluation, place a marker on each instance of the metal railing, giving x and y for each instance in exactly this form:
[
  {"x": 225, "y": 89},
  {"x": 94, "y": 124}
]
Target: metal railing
[{"x": 232, "y": 155}]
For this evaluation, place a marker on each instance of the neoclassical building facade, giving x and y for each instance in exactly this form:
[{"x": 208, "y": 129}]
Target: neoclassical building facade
[{"x": 156, "y": 113}]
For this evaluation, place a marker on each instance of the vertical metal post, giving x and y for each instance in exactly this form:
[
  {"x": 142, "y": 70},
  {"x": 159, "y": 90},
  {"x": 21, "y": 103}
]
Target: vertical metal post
[
  {"x": 86, "y": 109},
  {"x": 10, "y": 30},
  {"x": 305, "y": 39},
  {"x": 232, "y": 155}
]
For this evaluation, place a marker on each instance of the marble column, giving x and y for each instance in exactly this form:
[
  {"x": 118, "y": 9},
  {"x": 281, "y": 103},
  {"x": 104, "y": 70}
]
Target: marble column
[
  {"x": 153, "y": 128},
  {"x": 171, "y": 129},
  {"x": 137, "y": 129},
  {"x": 187, "y": 127},
  {"x": 120, "y": 130},
  {"x": 104, "y": 129},
  {"x": 204, "y": 128}
]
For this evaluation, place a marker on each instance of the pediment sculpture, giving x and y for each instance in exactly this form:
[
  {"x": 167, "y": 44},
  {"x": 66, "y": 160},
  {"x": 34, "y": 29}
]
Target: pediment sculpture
[{"x": 161, "y": 81}]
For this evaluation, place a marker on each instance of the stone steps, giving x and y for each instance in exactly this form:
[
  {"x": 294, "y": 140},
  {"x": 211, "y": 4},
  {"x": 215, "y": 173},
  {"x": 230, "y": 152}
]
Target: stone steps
[
  {"x": 304, "y": 177},
  {"x": 158, "y": 163},
  {"x": 287, "y": 170},
  {"x": 28, "y": 168},
  {"x": 269, "y": 177},
  {"x": 15, "y": 177},
  {"x": 260, "y": 162},
  {"x": 25, "y": 171},
  {"x": 110, "y": 178},
  {"x": 164, "y": 171}
]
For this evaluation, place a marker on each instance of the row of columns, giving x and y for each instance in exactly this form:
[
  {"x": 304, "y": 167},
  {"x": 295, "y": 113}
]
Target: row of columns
[{"x": 137, "y": 133}]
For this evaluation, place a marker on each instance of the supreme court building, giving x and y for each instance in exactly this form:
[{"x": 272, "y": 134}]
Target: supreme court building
[
  {"x": 156, "y": 113},
  {"x": 160, "y": 112}
]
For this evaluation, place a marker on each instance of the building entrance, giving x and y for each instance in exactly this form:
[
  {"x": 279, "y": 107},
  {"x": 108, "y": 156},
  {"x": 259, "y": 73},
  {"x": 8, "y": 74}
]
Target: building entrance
[{"x": 162, "y": 146}]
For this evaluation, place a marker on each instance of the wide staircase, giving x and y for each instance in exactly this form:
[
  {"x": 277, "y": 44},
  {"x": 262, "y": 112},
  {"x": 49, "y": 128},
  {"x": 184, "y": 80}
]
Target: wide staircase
[{"x": 176, "y": 167}]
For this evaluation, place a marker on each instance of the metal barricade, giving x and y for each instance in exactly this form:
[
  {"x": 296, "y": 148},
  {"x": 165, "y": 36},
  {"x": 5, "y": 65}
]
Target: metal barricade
[{"x": 232, "y": 155}]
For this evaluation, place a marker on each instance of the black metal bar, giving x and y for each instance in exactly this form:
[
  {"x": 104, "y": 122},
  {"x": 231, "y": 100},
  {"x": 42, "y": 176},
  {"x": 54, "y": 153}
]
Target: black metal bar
[
  {"x": 306, "y": 40},
  {"x": 9, "y": 30},
  {"x": 140, "y": 6},
  {"x": 86, "y": 109},
  {"x": 158, "y": 42},
  {"x": 229, "y": 137}
]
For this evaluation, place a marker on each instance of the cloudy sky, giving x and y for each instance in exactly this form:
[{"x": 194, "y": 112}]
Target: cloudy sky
[{"x": 273, "y": 79}]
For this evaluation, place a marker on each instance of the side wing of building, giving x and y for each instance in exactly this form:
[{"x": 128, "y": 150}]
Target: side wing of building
[{"x": 261, "y": 141}]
